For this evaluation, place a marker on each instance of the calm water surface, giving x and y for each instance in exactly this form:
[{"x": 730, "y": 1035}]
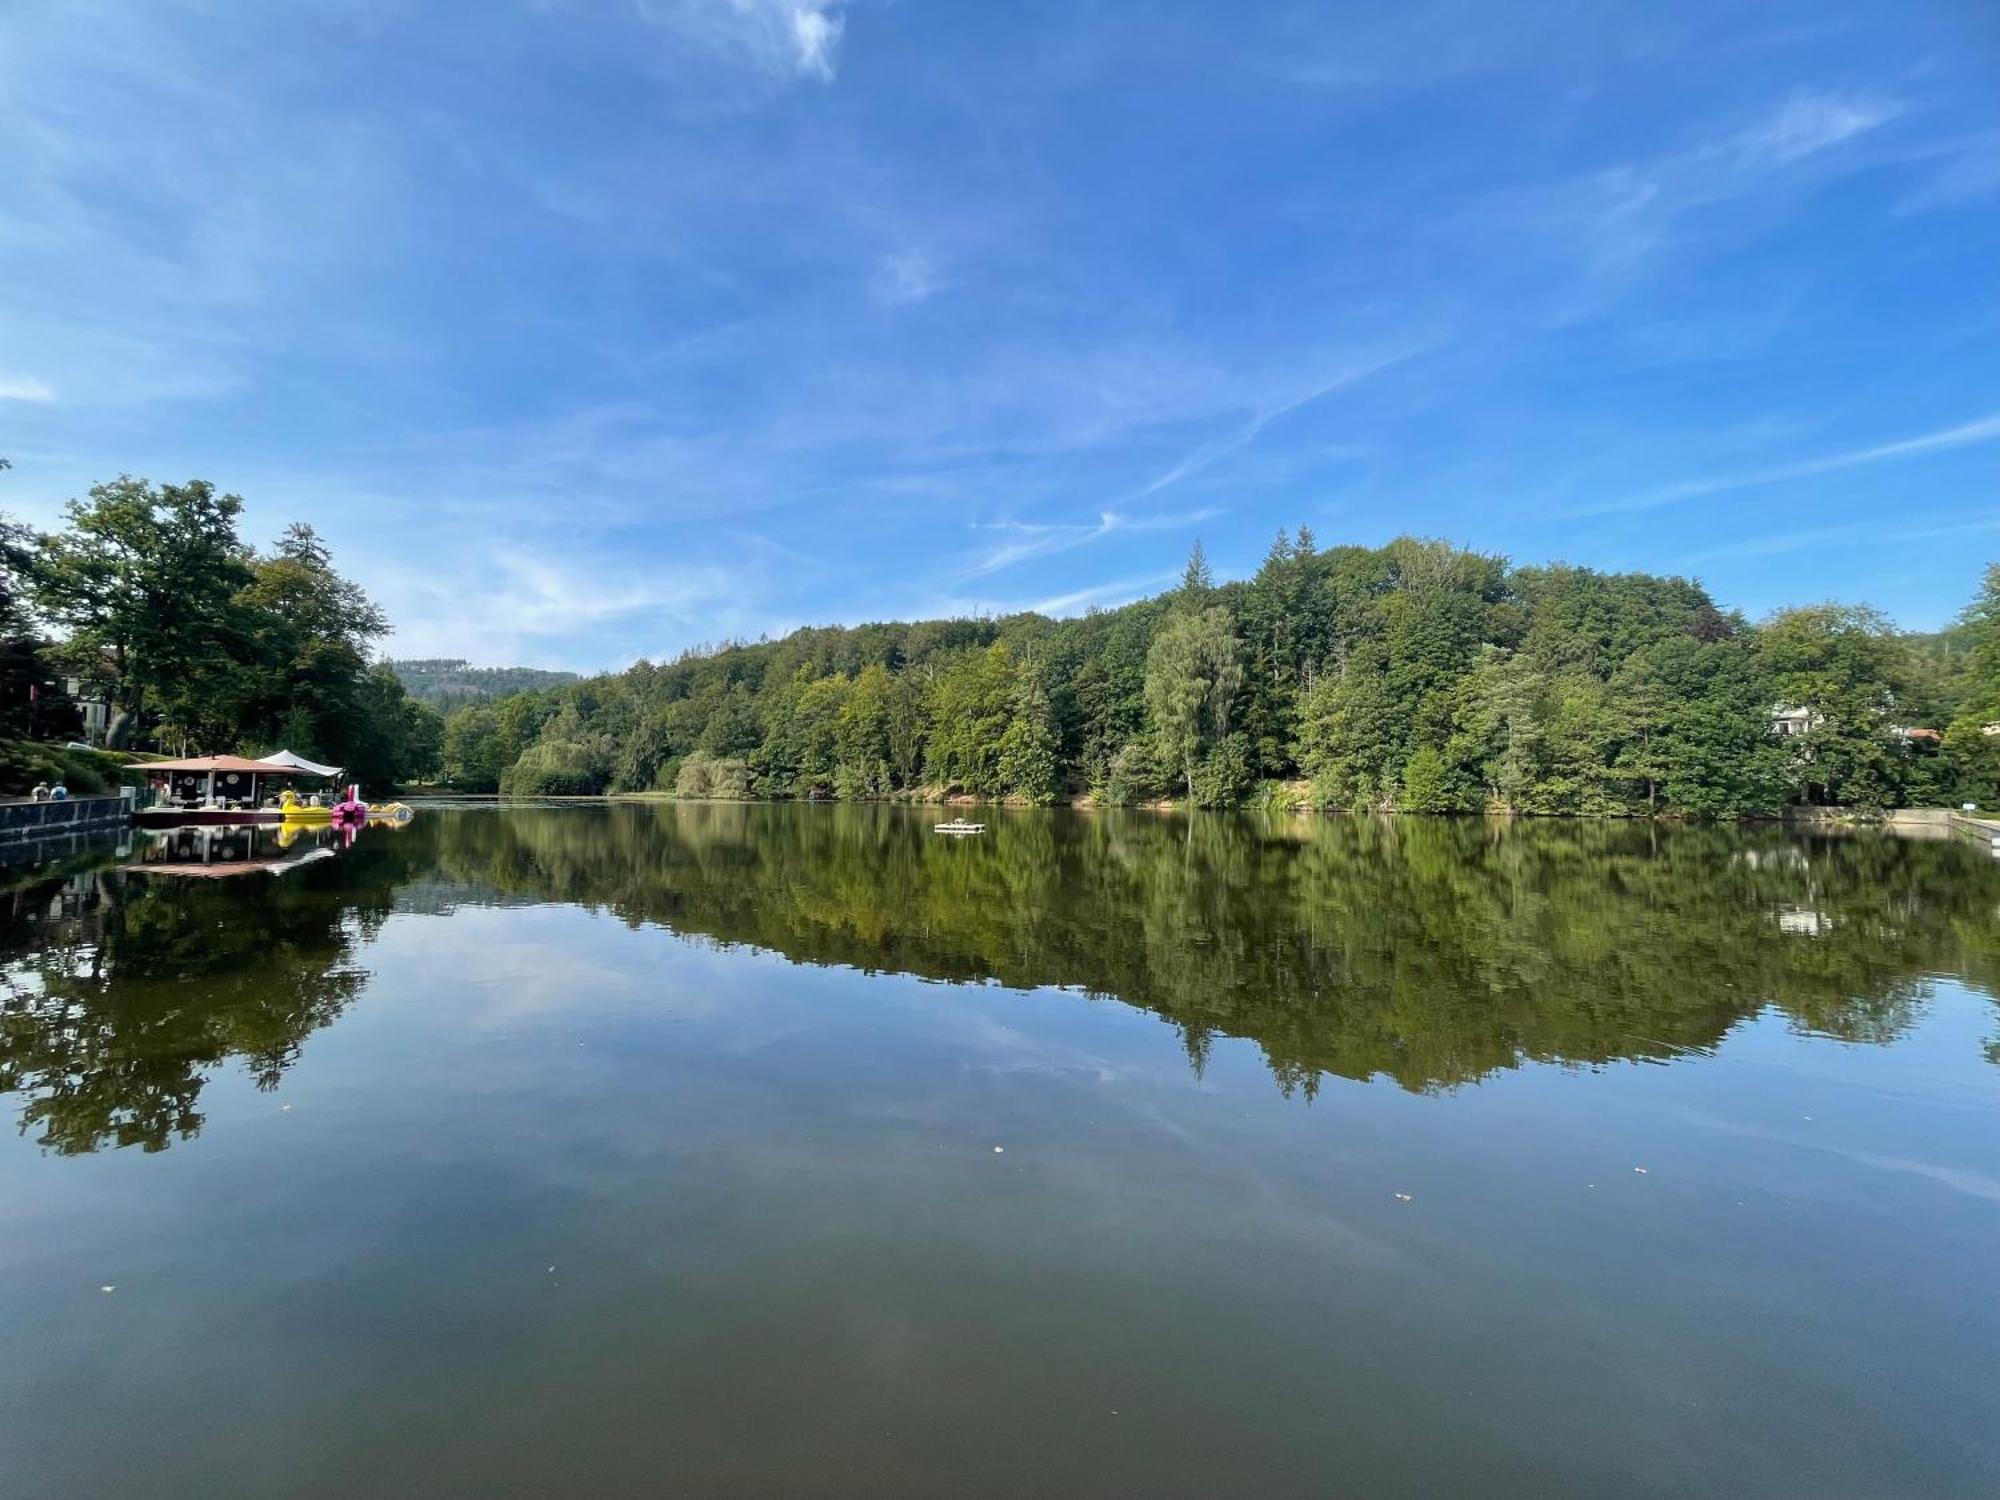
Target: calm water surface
[{"x": 797, "y": 1151}]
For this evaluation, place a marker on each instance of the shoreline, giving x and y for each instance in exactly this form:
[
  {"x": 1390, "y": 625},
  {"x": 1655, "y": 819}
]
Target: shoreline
[{"x": 1920, "y": 821}]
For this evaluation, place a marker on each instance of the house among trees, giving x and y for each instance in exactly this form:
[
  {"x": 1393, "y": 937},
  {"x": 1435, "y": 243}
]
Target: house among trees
[
  {"x": 92, "y": 706},
  {"x": 1786, "y": 722}
]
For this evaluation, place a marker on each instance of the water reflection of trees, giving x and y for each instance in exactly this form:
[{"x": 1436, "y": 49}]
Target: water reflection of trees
[
  {"x": 119, "y": 991},
  {"x": 1429, "y": 952},
  {"x": 1432, "y": 953}
]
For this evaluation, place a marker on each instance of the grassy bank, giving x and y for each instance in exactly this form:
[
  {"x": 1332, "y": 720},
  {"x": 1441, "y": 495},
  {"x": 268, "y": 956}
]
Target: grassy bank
[{"x": 25, "y": 763}]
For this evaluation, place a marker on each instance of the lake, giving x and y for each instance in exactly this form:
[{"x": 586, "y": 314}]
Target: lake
[{"x": 796, "y": 1150}]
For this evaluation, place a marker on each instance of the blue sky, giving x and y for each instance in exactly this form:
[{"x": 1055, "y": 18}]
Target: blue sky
[{"x": 592, "y": 329}]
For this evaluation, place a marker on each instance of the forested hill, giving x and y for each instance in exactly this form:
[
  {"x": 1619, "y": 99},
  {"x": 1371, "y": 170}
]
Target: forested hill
[
  {"x": 1416, "y": 677},
  {"x": 447, "y": 682}
]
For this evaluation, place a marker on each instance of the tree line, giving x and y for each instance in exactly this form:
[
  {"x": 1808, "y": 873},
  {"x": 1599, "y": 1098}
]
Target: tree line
[
  {"x": 449, "y": 682},
  {"x": 151, "y": 601},
  {"x": 1416, "y": 677}
]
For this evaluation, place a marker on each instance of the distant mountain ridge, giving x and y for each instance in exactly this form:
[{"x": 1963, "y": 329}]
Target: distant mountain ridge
[{"x": 449, "y": 682}]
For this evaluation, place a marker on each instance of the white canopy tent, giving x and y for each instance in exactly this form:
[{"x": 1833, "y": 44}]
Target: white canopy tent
[{"x": 293, "y": 762}]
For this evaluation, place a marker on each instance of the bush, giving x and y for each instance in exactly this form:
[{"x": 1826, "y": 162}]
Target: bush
[
  {"x": 557, "y": 768},
  {"x": 1134, "y": 777},
  {"x": 1222, "y": 776},
  {"x": 1430, "y": 787},
  {"x": 86, "y": 773},
  {"x": 702, "y": 775}
]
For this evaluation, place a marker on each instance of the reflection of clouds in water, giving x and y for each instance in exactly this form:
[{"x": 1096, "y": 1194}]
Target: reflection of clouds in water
[
  {"x": 1958, "y": 1179},
  {"x": 508, "y": 969},
  {"x": 1140, "y": 1098},
  {"x": 1009, "y": 1049},
  {"x": 1967, "y": 1181},
  {"x": 499, "y": 977}
]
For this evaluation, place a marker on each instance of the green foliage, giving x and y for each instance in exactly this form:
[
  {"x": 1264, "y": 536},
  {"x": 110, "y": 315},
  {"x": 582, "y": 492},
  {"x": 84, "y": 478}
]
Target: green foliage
[
  {"x": 24, "y": 765},
  {"x": 861, "y": 736},
  {"x": 1352, "y": 735},
  {"x": 1223, "y": 774},
  {"x": 1415, "y": 677},
  {"x": 703, "y": 775},
  {"x": 1431, "y": 786},
  {"x": 390, "y": 737},
  {"x": 1981, "y": 626},
  {"x": 1133, "y": 775},
  {"x": 145, "y": 580},
  {"x": 1193, "y": 674},
  {"x": 971, "y": 708},
  {"x": 203, "y": 644},
  {"x": 450, "y": 683},
  {"x": 569, "y": 760},
  {"x": 1844, "y": 664},
  {"x": 481, "y": 743},
  {"x": 1029, "y": 749}
]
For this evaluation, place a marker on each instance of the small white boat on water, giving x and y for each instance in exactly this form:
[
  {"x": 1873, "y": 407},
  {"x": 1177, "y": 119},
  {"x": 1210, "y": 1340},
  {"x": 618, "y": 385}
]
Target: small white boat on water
[{"x": 959, "y": 826}]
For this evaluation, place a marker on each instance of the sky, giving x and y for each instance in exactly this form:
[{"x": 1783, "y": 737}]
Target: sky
[{"x": 587, "y": 330}]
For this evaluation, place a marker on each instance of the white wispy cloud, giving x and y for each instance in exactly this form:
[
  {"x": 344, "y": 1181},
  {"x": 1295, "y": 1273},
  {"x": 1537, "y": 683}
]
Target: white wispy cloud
[
  {"x": 1102, "y": 595},
  {"x": 1253, "y": 426},
  {"x": 1029, "y": 539},
  {"x": 907, "y": 276},
  {"x": 25, "y": 388},
  {"x": 1107, "y": 595},
  {"x": 539, "y": 606},
  {"x": 1810, "y": 122},
  {"x": 1617, "y": 220},
  {"x": 1965, "y": 435},
  {"x": 787, "y": 37},
  {"x": 1870, "y": 532}
]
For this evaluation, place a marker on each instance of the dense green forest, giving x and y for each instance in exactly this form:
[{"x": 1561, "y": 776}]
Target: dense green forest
[
  {"x": 150, "y": 600},
  {"x": 1416, "y": 676},
  {"x": 451, "y": 682}
]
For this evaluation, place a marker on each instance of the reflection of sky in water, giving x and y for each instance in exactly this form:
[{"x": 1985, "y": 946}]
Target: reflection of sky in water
[{"x": 565, "y": 1204}]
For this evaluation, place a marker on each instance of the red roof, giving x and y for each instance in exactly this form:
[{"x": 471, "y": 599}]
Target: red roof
[{"x": 201, "y": 764}]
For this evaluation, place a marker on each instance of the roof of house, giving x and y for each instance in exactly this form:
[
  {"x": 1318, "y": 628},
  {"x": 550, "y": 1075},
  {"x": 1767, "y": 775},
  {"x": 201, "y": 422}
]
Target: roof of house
[{"x": 207, "y": 763}]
